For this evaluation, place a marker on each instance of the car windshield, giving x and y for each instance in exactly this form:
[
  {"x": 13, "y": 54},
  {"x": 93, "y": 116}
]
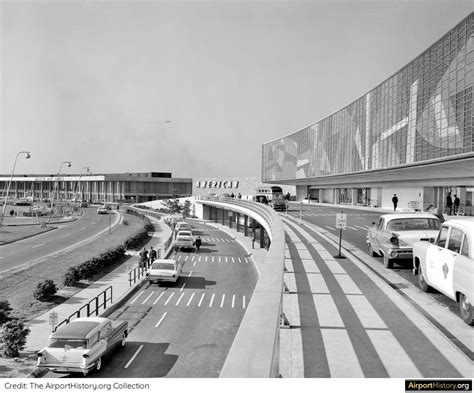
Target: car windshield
[
  {"x": 414, "y": 224},
  {"x": 184, "y": 233},
  {"x": 162, "y": 266},
  {"x": 67, "y": 343}
]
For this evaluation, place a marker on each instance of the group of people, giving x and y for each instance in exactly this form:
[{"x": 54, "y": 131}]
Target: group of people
[
  {"x": 147, "y": 258},
  {"x": 452, "y": 206}
]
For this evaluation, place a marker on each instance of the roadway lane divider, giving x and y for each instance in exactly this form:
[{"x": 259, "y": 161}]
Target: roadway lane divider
[
  {"x": 161, "y": 319},
  {"x": 39, "y": 245},
  {"x": 134, "y": 356}
]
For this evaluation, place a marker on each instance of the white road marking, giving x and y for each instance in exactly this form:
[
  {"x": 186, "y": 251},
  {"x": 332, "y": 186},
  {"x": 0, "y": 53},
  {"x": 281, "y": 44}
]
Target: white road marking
[
  {"x": 233, "y": 260},
  {"x": 172, "y": 294},
  {"x": 219, "y": 259},
  {"x": 189, "y": 275},
  {"x": 355, "y": 229},
  {"x": 190, "y": 299},
  {"x": 243, "y": 305},
  {"x": 134, "y": 356},
  {"x": 240, "y": 260},
  {"x": 67, "y": 235},
  {"x": 2, "y": 257},
  {"x": 212, "y": 259},
  {"x": 159, "y": 297},
  {"x": 222, "y": 301},
  {"x": 246, "y": 260},
  {"x": 185, "y": 259},
  {"x": 149, "y": 296},
  {"x": 83, "y": 228},
  {"x": 337, "y": 341},
  {"x": 161, "y": 319},
  {"x": 177, "y": 303},
  {"x": 233, "y": 300},
  {"x": 199, "y": 260},
  {"x": 141, "y": 293},
  {"x": 358, "y": 226},
  {"x": 225, "y": 259},
  {"x": 194, "y": 264},
  {"x": 181, "y": 290},
  {"x": 212, "y": 299},
  {"x": 331, "y": 228},
  {"x": 38, "y": 245},
  {"x": 200, "y": 301}
]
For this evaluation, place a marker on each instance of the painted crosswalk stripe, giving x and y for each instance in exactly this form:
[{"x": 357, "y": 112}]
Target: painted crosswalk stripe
[
  {"x": 328, "y": 227},
  {"x": 233, "y": 261},
  {"x": 149, "y": 296},
  {"x": 212, "y": 299},
  {"x": 67, "y": 235},
  {"x": 181, "y": 290},
  {"x": 246, "y": 260},
  {"x": 199, "y": 260},
  {"x": 358, "y": 226},
  {"x": 189, "y": 275},
  {"x": 134, "y": 356},
  {"x": 243, "y": 301},
  {"x": 161, "y": 319},
  {"x": 134, "y": 300},
  {"x": 337, "y": 341},
  {"x": 328, "y": 315},
  {"x": 233, "y": 300},
  {"x": 355, "y": 229},
  {"x": 159, "y": 297},
  {"x": 83, "y": 228},
  {"x": 190, "y": 299},
  {"x": 240, "y": 260},
  {"x": 394, "y": 358},
  {"x": 194, "y": 264},
  {"x": 347, "y": 284},
  {"x": 219, "y": 259},
  {"x": 185, "y": 259},
  {"x": 366, "y": 312},
  {"x": 222, "y": 301},
  {"x": 179, "y": 299},
  {"x": 212, "y": 259},
  {"x": 205, "y": 259},
  {"x": 38, "y": 245},
  {"x": 225, "y": 259},
  {"x": 200, "y": 301},
  {"x": 172, "y": 294}
]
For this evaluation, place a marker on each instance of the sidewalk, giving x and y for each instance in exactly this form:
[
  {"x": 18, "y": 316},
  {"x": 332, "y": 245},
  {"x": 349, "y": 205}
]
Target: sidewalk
[{"x": 118, "y": 279}]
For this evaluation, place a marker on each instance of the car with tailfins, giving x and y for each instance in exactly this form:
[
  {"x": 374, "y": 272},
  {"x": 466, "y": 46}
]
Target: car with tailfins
[
  {"x": 164, "y": 270},
  {"x": 80, "y": 345},
  {"x": 447, "y": 265},
  {"x": 393, "y": 235}
]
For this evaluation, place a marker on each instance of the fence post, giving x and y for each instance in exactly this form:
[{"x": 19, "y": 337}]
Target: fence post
[
  {"x": 88, "y": 309},
  {"x": 97, "y": 305}
]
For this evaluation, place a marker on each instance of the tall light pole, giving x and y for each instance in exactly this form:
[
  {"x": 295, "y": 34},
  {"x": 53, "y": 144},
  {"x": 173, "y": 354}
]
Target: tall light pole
[
  {"x": 80, "y": 186},
  {"x": 28, "y": 155},
  {"x": 68, "y": 163}
]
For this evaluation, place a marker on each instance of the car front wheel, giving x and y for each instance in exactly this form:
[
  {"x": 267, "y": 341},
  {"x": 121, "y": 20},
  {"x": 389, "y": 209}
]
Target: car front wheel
[
  {"x": 465, "y": 309},
  {"x": 372, "y": 252},
  {"x": 98, "y": 365},
  {"x": 421, "y": 281},
  {"x": 387, "y": 262},
  {"x": 124, "y": 339}
]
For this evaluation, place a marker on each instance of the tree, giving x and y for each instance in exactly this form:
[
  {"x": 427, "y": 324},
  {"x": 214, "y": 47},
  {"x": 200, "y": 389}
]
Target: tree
[
  {"x": 187, "y": 208},
  {"x": 45, "y": 290},
  {"x": 174, "y": 206},
  {"x": 5, "y": 312},
  {"x": 13, "y": 338}
]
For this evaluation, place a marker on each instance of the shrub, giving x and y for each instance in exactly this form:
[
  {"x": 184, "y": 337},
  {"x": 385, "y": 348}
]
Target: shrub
[
  {"x": 13, "y": 338},
  {"x": 45, "y": 290},
  {"x": 5, "y": 311},
  {"x": 71, "y": 278}
]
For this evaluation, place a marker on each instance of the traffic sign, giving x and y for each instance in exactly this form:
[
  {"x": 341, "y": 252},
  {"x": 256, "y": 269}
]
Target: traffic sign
[
  {"x": 53, "y": 318},
  {"x": 341, "y": 220}
]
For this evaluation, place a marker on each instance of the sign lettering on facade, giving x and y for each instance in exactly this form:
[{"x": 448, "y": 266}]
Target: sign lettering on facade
[{"x": 217, "y": 184}]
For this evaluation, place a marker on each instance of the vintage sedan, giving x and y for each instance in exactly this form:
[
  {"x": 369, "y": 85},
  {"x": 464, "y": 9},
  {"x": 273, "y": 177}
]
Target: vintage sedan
[
  {"x": 168, "y": 270},
  {"x": 392, "y": 237},
  {"x": 79, "y": 346},
  {"x": 448, "y": 264}
]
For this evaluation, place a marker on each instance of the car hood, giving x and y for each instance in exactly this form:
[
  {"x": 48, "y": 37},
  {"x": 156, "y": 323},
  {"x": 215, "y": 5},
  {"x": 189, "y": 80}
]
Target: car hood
[{"x": 408, "y": 238}]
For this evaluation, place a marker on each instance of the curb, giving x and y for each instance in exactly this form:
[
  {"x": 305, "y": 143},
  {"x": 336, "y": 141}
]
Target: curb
[{"x": 26, "y": 237}]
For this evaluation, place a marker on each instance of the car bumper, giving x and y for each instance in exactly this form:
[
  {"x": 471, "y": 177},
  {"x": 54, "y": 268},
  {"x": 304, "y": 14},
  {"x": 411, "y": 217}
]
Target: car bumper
[{"x": 162, "y": 279}]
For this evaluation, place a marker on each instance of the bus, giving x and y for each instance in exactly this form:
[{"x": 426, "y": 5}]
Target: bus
[{"x": 265, "y": 194}]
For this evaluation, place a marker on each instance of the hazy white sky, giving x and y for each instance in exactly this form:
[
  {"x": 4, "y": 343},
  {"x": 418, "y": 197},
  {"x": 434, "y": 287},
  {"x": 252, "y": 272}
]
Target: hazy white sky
[{"x": 94, "y": 82}]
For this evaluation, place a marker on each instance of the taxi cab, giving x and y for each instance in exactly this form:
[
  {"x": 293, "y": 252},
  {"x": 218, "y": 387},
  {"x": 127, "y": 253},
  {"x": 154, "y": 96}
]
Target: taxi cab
[{"x": 447, "y": 265}]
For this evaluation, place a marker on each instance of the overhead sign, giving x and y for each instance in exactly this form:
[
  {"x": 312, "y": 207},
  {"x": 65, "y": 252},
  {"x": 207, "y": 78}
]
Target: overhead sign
[
  {"x": 217, "y": 184},
  {"x": 341, "y": 220}
]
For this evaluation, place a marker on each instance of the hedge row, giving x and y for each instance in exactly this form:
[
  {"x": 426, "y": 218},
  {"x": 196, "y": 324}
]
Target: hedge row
[
  {"x": 93, "y": 266},
  {"x": 137, "y": 240}
]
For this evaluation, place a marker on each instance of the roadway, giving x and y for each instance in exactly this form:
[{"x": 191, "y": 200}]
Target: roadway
[
  {"x": 186, "y": 329},
  {"x": 384, "y": 325},
  {"x": 30, "y": 250}
]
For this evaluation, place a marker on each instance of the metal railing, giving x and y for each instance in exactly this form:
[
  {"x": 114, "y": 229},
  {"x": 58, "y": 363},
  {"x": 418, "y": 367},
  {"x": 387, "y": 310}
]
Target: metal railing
[{"x": 91, "y": 308}]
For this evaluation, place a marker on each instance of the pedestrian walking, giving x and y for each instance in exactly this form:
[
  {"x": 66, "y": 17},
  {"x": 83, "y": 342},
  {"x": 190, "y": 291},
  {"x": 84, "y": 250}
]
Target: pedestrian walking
[
  {"x": 143, "y": 257},
  {"x": 239, "y": 196},
  {"x": 395, "y": 202},
  {"x": 152, "y": 255},
  {"x": 198, "y": 243},
  {"x": 232, "y": 195},
  {"x": 457, "y": 201},
  {"x": 449, "y": 204}
]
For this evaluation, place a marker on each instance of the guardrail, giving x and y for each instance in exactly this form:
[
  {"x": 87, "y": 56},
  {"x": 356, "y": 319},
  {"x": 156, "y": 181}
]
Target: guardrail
[
  {"x": 97, "y": 303},
  {"x": 256, "y": 346}
]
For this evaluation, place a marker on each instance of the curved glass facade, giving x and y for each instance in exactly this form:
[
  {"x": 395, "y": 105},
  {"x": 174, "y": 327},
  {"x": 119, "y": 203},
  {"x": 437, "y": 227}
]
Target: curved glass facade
[{"x": 422, "y": 113}]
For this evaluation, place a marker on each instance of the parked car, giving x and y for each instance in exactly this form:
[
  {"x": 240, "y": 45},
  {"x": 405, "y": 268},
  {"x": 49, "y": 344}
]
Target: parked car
[
  {"x": 79, "y": 346},
  {"x": 184, "y": 241},
  {"x": 182, "y": 226},
  {"x": 448, "y": 264},
  {"x": 392, "y": 237},
  {"x": 167, "y": 270}
]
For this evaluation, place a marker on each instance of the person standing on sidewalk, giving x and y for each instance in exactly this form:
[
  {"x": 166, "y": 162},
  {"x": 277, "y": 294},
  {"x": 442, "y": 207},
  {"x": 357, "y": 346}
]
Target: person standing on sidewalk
[
  {"x": 198, "y": 243},
  {"x": 143, "y": 257},
  {"x": 395, "y": 202},
  {"x": 449, "y": 204},
  {"x": 152, "y": 255},
  {"x": 457, "y": 201}
]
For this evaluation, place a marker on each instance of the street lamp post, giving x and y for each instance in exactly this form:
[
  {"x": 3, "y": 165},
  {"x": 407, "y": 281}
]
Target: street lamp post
[
  {"x": 57, "y": 181},
  {"x": 28, "y": 155},
  {"x": 80, "y": 186}
]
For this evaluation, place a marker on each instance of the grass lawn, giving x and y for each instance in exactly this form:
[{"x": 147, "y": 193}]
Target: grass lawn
[{"x": 11, "y": 233}]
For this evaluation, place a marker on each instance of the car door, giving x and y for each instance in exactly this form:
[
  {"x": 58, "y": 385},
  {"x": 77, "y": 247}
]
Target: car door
[
  {"x": 375, "y": 234},
  {"x": 442, "y": 267},
  {"x": 433, "y": 255}
]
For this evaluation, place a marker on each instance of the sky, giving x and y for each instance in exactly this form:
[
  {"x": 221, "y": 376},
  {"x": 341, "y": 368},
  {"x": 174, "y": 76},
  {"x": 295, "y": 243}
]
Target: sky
[{"x": 191, "y": 87}]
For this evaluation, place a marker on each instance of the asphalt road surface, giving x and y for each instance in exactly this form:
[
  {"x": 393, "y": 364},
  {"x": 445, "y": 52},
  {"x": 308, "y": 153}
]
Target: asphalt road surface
[{"x": 66, "y": 235}]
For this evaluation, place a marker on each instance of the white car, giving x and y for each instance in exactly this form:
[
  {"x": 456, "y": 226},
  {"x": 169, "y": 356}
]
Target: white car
[
  {"x": 448, "y": 264},
  {"x": 392, "y": 237},
  {"x": 167, "y": 270},
  {"x": 182, "y": 226},
  {"x": 102, "y": 210}
]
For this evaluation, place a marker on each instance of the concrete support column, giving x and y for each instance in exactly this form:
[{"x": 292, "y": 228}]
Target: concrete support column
[
  {"x": 262, "y": 237},
  {"x": 223, "y": 218},
  {"x": 354, "y": 196},
  {"x": 246, "y": 220},
  {"x": 237, "y": 222}
]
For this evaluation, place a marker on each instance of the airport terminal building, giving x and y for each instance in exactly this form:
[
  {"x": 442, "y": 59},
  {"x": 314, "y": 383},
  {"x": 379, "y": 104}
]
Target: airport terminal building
[
  {"x": 412, "y": 135},
  {"x": 121, "y": 187}
]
